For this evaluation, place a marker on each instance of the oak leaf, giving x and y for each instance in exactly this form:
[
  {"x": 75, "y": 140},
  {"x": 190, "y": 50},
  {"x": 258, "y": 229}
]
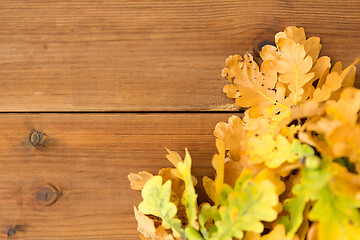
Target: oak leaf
[
  {"x": 137, "y": 181},
  {"x": 213, "y": 188},
  {"x": 278, "y": 233},
  {"x": 252, "y": 87},
  {"x": 250, "y": 203},
  {"x": 312, "y": 45},
  {"x": 189, "y": 197},
  {"x": 338, "y": 133},
  {"x": 156, "y": 201},
  {"x": 337, "y": 214},
  {"x": 334, "y": 81},
  {"x": 234, "y": 136},
  {"x": 275, "y": 152},
  {"x": 147, "y": 228},
  {"x": 294, "y": 67}
]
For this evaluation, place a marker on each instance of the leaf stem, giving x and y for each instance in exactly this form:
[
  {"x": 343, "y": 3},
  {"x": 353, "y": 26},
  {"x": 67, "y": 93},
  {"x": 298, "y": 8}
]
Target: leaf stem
[{"x": 268, "y": 98}]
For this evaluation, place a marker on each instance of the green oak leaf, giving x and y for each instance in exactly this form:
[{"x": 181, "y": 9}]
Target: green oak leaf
[
  {"x": 249, "y": 204},
  {"x": 337, "y": 214},
  {"x": 156, "y": 201},
  {"x": 207, "y": 213},
  {"x": 189, "y": 197}
]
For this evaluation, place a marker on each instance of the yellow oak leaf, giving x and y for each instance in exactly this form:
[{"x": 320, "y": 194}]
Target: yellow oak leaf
[
  {"x": 218, "y": 163},
  {"x": 345, "y": 182},
  {"x": 338, "y": 133},
  {"x": 275, "y": 152},
  {"x": 345, "y": 141},
  {"x": 268, "y": 174},
  {"x": 346, "y": 109},
  {"x": 272, "y": 176},
  {"x": 278, "y": 233},
  {"x": 213, "y": 188},
  {"x": 210, "y": 189}
]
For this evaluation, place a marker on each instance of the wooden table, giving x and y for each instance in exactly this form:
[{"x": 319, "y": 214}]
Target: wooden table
[{"x": 92, "y": 90}]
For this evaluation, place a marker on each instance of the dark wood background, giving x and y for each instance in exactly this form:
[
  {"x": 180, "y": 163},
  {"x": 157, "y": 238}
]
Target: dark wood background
[{"x": 91, "y": 90}]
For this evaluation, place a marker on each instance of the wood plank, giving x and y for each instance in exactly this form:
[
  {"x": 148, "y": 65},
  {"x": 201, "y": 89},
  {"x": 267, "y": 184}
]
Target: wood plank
[
  {"x": 110, "y": 55},
  {"x": 87, "y": 157}
]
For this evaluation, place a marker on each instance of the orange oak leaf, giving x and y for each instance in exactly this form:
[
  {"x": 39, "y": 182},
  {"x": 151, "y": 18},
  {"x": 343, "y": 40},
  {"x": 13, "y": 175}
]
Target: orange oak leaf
[
  {"x": 252, "y": 87},
  {"x": 137, "y": 181},
  {"x": 233, "y": 134},
  {"x": 334, "y": 81},
  {"x": 147, "y": 228}
]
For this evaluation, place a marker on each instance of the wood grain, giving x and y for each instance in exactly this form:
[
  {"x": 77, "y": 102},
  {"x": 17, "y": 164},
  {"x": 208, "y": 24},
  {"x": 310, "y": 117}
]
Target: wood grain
[
  {"x": 110, "y": 55},
  {"x": 87, "y": 158}
]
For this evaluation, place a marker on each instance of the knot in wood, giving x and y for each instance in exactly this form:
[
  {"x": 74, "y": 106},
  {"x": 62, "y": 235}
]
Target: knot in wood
[
  {"x": 36, "y": 138},
  {"x": 12, "y": 231},
  {"x": 45, "y": 194},
  {"x": 259, "y": 45}
]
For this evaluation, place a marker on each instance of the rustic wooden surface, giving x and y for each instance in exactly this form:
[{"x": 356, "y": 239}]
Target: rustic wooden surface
[
  {"x": 124, "y": 56},
  {"x": 114, "y": 55},
  {"x": 87, "y": 158}
]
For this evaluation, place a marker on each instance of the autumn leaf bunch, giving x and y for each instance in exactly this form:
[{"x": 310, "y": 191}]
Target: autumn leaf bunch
[{"x": 287, "y": 170}]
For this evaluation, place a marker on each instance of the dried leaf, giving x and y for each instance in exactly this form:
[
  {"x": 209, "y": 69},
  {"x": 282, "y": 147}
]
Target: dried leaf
[
  {"x": 312, "y": 45},
  {"x": 269, "y": 183},
  {"x": 137, "y": 181},
  {"x": 147, "y": 228},
  {"x": 334, "y": 81},
  {"x": 294, "y": 67},
  {"x": 252, "y": 87},
  {"x": 145, "y": 224},
  {"x": 233, "y": 134},
  {"x": 293, "y": 33},
  {"x": 338, "y": 131},
  {"x": 346, "y": 109}
]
